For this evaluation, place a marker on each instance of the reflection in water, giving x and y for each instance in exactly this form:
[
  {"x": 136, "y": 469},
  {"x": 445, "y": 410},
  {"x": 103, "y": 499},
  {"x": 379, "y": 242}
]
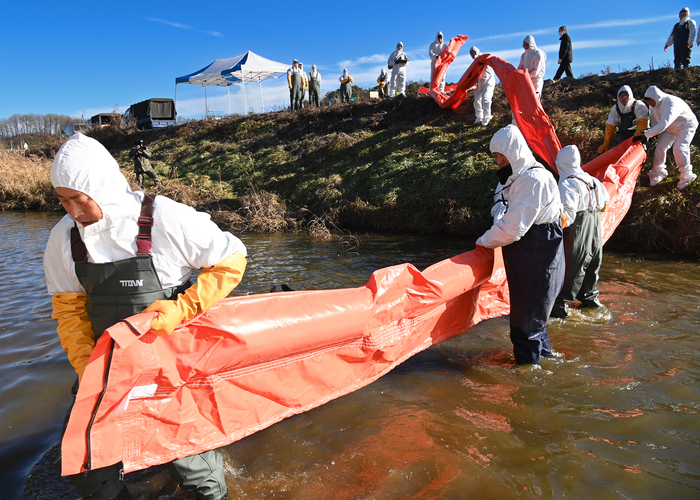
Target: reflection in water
[{"x": 616, "y": 418}]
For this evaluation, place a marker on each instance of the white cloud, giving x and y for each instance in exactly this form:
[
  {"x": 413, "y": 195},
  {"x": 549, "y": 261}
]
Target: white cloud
[
  {"x": 612, "y": 23},
  {"x": 169, "y": 23},
  {"x": 615, "y": 23},
  {"x": 373, "y": 59}
]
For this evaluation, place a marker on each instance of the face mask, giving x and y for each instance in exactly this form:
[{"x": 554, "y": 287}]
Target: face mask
[{"x": 504, "y": 173}]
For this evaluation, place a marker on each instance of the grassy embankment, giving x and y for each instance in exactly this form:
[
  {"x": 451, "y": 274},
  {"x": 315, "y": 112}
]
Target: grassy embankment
[{"x": 401, "y": 165}]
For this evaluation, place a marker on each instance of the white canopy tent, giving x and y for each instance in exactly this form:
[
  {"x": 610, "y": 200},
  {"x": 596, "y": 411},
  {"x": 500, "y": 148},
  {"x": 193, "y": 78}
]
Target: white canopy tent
[{"x": 243, "y": 69}]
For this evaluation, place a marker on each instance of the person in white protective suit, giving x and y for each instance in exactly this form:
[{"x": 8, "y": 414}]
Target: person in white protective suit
[
  {"x": 295, "y": 79},
  {"x": 483, "y": 94},
  {"x": 314, "y": 86},
  {"x": 584, "y": 197},
  {"x": 682, "y": 37},
  {"x": 383, "y": 81},
  {"x": 527, "y": 225},
  {"x": 119, "y": 252},
  {"x": 675, "y": 124},
  {"x": 346, "y": 82},
  {"x": 434, "y": 51},
  {"x": 629, "y": 117},
  {"x": 397, "y": 63},
  {"x": 533, "y": 60},
  {"x": 304, "y": 86}
]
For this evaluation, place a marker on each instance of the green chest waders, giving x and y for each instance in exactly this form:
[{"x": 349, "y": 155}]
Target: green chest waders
[
  {"x": 628, "y": 123},
  {"x": 297, "y": 90},
  {"x": 115, "y": 291},
  {"x": 314, "y": 91}
]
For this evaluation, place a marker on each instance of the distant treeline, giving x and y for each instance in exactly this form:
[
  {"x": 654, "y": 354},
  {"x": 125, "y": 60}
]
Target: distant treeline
[{"x": 35, "y": 124}]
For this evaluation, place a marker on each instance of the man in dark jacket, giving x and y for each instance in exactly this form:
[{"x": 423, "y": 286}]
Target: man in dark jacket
[{"x": 566, "y": 55}]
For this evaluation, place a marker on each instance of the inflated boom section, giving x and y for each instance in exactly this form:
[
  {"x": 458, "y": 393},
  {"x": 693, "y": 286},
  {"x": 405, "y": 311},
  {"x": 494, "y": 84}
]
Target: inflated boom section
[{"x": 252, "y": 361}]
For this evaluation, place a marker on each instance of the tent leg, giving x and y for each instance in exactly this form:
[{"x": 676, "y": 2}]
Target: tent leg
[
  {"x": 245, "y": 101},
  {"x": 206, "y": 105},
  {"x": 228, "y": 100},
  {"x": 261, "y": 96},
  {"x": 176, "y": 101}
]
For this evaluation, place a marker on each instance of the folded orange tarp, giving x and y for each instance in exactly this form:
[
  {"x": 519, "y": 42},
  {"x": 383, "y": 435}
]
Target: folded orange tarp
[{"x": 250, "y": 362}]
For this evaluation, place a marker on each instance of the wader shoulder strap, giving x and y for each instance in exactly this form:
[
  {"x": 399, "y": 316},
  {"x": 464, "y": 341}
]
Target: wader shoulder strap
[
  {"x": 593, "y": 192},
  {"x": 77, "y": 247},
  {"x": 143, "y": 239},
  {"x": 145, "y": 221}
]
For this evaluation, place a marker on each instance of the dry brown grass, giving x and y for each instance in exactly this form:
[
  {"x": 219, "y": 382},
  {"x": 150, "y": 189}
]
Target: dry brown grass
[
  {"x": 263, "y": 212},
  {"x": 25, "y": 183}
]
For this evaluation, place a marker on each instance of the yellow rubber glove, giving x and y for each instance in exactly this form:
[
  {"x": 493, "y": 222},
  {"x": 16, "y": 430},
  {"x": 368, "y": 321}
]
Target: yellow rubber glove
[
  {"x": 289, "y": 81},
  {"x": 213, "y": 284},
  {"x": 345, "y": 80},
  {"x": 74, "y": 328},
  {"x": 380, "y": 82},
  {"x": 609, "y": 132},
  {"x": 351, "y": 80},
  {"x": 642, "y": 125}
]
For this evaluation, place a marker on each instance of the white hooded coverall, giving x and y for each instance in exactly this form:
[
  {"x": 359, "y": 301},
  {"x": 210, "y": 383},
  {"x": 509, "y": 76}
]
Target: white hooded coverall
[
  {"x": 398, "y": 71},
  {"x": 434, "y": 51},
  {"x": 533, "y": 60},
  {"x": 675, "y": 124},
  {"x": 183, "y": 239},
  {"x": 483, "y": 94}
]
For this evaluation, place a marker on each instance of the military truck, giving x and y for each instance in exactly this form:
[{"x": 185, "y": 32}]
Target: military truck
[{"x": 151, "y": 113}]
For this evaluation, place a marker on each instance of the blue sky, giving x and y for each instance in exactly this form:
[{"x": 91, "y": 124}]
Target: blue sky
[{"x": 81, "y": 58}]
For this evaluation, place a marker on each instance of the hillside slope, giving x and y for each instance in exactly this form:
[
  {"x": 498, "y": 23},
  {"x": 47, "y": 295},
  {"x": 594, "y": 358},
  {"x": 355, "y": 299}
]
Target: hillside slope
[{"x": 404, "y": 164}]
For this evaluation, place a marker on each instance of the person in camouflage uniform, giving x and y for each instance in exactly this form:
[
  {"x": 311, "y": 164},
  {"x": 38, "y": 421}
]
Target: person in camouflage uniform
[{"x": 140, "y": 155}]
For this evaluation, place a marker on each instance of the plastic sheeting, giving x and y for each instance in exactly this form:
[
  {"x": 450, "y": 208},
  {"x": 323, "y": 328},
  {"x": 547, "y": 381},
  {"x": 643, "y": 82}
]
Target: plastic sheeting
[{"x": 250, "y": 362}]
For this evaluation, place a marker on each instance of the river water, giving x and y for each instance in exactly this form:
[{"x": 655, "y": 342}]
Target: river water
[{"x": 616, "y": 418}]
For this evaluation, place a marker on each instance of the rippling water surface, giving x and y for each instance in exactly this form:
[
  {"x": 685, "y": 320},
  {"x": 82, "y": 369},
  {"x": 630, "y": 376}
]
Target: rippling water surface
[{"x": 617, "y": 418}]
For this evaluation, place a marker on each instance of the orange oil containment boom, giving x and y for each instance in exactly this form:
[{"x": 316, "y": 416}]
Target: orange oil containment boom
[{"x": 252, "y": 361}]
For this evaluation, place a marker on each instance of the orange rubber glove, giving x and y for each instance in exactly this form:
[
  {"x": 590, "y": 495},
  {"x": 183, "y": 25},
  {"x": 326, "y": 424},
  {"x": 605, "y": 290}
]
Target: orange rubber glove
[
  {"x": 74, "y": 328},
  {"x": 609, "y": 132},
  {"x": 289, "y": 81},
  {"x": 642, "y": 125},
  {"x": 213, "y": 284}
]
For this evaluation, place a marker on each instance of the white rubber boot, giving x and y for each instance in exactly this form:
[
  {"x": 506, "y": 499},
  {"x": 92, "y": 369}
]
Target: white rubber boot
[{"x": 657, "y": 175}]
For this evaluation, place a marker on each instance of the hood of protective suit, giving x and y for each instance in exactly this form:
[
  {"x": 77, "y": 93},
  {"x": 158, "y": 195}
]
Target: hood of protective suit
[
  {"x": 568, "y": 162},
  {"x": 509, "y": 141},
  {"x": 628, "y": 107},
  {"x": 654, "y": 93},
  {"x": 475, "y": 49},
  {"x": 345, "y": 73},
  {"x": 83, "y": 164},
  {"x": 530, "y": 40},
  {"x": 437, "y": 37},
  {"x": 399, "y": 46},
  {"x": 628, "y": 89}
]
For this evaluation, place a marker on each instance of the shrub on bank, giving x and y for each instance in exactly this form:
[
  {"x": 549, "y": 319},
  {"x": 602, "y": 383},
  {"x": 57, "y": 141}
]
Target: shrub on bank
[{"x": 25, "y": 183}]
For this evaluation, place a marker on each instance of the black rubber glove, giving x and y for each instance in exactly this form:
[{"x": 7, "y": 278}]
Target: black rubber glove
[{"x": 640, "y": 138}]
